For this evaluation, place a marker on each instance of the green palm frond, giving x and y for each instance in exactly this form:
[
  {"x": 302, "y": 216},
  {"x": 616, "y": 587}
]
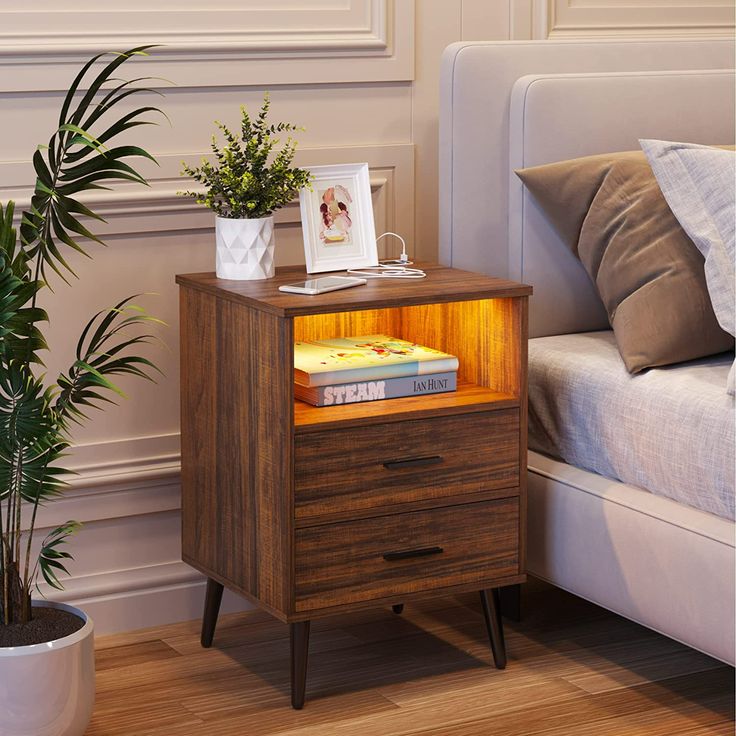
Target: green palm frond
[
  {"x": 102, "y": 353},
  {"x": 76, "y": 160},
  {"x": 82, "y": 155},
  {"x": 20, "y": 338},
  {"x": 51, "y": 557},
  {"x": 11, "y": 251},
  {"x": 30, "y": 443}
]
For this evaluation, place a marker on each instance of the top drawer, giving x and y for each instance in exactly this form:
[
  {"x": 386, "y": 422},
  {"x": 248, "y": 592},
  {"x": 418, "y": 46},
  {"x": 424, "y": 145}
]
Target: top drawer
[{"x": 400, "y": 462}]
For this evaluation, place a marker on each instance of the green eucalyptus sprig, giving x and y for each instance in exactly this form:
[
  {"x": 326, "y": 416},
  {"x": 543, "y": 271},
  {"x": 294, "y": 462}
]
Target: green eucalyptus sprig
[{"x": 251, "y": 176}]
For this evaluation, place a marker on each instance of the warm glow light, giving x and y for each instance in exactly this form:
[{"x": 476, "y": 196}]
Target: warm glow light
[{"x": 483, "y": 334}]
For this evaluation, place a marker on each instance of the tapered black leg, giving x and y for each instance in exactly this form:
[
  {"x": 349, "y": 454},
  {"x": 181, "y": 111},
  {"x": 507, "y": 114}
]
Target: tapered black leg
[
  {"x": 299, "y": 636},
  {"x": 491, "y": 613},
  {"x": 511, "y": 602},
  {"x": 398, "y": 608},
  {"x": 212, "y": 601}
]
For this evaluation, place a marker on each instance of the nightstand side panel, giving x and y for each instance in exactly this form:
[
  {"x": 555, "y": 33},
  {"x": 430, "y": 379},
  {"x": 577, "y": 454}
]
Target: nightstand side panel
[
  {"x": 198, "y": 410},
  {"x": 236, "y": 416}
]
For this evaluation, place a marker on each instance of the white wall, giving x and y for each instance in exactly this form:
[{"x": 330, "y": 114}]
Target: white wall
[{"x": 361, "y": 76}]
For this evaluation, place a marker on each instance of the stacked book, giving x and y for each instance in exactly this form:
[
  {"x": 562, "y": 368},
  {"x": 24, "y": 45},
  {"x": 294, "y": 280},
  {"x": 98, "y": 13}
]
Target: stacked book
[{"x": 347, "y": 370}]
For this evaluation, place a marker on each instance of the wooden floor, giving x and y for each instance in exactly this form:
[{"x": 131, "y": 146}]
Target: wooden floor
[{"x": 574, "y": 669}]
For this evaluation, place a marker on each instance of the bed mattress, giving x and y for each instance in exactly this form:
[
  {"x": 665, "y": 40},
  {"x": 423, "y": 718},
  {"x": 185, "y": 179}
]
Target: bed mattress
[{"x": 668, "y": 430}]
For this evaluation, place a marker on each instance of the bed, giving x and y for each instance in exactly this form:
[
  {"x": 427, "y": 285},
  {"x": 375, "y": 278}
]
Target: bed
[{"x": 643, "y": 536}]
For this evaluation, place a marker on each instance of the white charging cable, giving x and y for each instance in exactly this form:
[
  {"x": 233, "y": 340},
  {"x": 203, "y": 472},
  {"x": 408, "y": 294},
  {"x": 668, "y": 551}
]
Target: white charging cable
[
  {"x": 396, "y": 268},
  {"x": 403, "y": 259}
]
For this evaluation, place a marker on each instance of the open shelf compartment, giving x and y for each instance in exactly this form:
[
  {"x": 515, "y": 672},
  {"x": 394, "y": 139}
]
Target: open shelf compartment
[{"x": 483, "y": 333}]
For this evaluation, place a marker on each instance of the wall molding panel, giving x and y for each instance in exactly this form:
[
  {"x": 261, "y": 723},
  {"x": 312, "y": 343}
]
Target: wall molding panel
[
  {"x": 112, "y": 498},
  {"x": 135, "y": 210},
  {"x": 261, "y": 44},
  {"x": 117, "y": 489},
  {"x": 188, "y": 27},
  {"x": 577, "y": 18}
]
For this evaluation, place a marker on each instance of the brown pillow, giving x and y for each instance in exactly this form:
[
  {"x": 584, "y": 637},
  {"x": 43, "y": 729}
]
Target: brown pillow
[{"x": 610, "y": 211}]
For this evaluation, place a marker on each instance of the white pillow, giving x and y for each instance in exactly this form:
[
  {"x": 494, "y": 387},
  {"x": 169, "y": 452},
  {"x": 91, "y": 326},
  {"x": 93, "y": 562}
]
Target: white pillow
[{"x": 699, "y": 184}]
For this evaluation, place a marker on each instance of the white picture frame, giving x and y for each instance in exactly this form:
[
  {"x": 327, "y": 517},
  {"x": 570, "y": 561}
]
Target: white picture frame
[{"x": 337, "y": 219}]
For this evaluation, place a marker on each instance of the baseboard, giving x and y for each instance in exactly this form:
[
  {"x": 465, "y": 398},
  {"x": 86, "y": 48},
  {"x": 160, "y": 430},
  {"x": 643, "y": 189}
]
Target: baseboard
[{"x": 142, "y": 597}]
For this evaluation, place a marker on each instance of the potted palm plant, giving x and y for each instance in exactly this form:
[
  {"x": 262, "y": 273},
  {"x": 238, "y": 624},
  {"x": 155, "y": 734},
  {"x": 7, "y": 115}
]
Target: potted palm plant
[
  {"x": 250, "y": 179},
  {"x": 46, "y": 649}
]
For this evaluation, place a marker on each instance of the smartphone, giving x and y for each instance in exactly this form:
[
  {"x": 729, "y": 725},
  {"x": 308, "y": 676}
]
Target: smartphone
[{"x": 322, "y": 285}]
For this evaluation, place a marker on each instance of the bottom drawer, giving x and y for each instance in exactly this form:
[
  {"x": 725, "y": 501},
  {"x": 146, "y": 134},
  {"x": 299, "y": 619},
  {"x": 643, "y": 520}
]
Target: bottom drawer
[{"x": 406, "y": 553}]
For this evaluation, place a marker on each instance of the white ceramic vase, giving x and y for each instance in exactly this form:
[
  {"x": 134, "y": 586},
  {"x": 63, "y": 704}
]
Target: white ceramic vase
[
  {"x": 49, "y": 689},
  {"x": 245, "y": 248}
]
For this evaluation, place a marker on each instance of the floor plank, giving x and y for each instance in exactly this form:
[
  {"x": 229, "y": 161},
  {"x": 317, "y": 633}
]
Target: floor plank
[
  {"x": 574, "y": 670},
  {"x": 129, "y": 654}
]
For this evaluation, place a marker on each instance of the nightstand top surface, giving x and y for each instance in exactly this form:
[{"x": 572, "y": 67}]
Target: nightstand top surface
[{"x": 442, "y": 284}]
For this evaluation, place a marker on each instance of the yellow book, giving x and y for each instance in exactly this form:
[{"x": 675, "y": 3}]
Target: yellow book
[{"x": 365, "y": 358}]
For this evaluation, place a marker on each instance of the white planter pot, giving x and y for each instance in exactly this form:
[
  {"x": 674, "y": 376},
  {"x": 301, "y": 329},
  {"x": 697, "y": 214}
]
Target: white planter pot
[
  {"x": 49, "y": 689},
  {"x": 245, "y": 248}
]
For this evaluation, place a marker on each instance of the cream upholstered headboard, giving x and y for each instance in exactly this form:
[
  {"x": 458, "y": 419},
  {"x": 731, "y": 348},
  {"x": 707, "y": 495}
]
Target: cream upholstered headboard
[
  {"x": 556, "y": 117},
  {"x": 506, "y": 105}
]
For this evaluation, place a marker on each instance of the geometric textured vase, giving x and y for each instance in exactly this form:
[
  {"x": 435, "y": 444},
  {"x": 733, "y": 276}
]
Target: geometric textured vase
[{"x": 245, "y": 248}]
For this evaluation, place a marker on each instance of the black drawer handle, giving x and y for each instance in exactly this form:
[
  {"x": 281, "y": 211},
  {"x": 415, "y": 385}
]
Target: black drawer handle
[
  {"x": 415, "y": 462},
  {"x": 405, "y": 554}
]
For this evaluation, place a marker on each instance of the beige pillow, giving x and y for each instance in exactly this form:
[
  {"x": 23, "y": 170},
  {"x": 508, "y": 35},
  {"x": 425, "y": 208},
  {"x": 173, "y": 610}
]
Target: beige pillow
[{"x": 649, "y": 274}]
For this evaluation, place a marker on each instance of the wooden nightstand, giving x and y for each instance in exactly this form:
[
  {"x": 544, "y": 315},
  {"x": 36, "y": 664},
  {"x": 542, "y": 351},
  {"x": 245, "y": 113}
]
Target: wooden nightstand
[{"x": 313, "y": 511}]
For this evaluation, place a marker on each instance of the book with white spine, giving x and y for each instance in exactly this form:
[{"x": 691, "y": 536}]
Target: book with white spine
[{"x": 388, "y": 388}]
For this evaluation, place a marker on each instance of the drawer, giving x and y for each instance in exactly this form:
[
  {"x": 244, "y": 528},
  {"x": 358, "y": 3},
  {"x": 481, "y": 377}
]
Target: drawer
[
  {"x": 386, "y": 556},
  {"x": 399, "y": 462}
]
